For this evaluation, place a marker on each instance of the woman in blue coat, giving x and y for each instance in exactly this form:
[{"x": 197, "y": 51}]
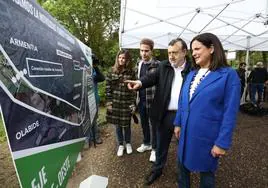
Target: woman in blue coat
[{"x": 207, "y": 111}]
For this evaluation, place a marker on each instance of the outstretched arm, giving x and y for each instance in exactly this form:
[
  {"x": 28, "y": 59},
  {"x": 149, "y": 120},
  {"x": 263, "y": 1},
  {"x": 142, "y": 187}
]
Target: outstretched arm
[{"x": 146, "y": 81}]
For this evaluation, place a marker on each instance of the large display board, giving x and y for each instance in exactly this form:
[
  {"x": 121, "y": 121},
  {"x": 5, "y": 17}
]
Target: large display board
[{"x": 45, "y": 90}]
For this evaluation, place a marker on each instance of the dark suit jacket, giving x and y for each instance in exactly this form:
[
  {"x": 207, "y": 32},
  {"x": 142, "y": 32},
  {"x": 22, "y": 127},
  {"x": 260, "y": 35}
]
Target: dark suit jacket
[{"x": 162, "y": 78}]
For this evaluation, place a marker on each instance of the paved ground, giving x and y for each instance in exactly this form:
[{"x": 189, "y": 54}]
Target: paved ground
[{"x": 245, "y": 166}]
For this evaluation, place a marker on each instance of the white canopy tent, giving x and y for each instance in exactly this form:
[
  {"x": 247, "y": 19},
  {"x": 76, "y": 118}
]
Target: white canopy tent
[{"x": 239, "y": 24}]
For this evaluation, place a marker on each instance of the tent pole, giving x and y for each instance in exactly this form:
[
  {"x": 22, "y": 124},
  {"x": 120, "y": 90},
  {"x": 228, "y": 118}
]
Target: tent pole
[
  {"x": 266, "y": 11},
  {"x": 247, "y": 71},
  {"x": 122, "y": 21},
  {"x": 248, "y": 46}
]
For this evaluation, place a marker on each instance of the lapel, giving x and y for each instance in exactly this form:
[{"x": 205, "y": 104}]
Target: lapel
[
  {"x": 188, "y": 84},
  {"x": 140, "y": 64},
  {"x": 210, "y": 78},
  {"x": 139, "y": 69}
]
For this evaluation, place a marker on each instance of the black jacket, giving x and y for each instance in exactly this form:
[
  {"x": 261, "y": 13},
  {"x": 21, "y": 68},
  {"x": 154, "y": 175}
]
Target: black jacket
[
  {"x": 162, "y": 78},
  {"x": 242, "y": 73},
  {"x": 258, "y": 76}
]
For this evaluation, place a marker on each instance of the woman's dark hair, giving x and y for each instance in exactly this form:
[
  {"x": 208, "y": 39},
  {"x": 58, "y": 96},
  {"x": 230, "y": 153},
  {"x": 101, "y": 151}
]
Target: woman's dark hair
[
  {"x": 242, "y": 64},
  {"x": 218, "y": 58},
  {"x": 117, "y": 68}
]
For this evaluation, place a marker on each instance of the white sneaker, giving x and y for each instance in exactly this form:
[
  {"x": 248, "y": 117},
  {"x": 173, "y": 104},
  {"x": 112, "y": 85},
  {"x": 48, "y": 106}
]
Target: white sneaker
[
  {"x": 152, "y": 156},
  {"x": 144, "y": 148},
  {"x": 120, "y": 151},
  {"x": 129, "y": 148}
]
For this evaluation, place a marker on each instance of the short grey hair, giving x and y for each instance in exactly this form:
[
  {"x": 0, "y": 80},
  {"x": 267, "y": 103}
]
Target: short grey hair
[{"x": 259, "y": 64}]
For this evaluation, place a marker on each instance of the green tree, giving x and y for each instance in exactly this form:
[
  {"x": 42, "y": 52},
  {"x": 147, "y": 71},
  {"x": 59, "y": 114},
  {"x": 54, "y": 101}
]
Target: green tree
[{"x": 94, "y": 22}]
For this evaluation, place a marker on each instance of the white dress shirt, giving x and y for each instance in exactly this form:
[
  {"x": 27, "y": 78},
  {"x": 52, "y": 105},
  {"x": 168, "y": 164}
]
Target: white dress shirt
[{"x": 176, "y": 87}]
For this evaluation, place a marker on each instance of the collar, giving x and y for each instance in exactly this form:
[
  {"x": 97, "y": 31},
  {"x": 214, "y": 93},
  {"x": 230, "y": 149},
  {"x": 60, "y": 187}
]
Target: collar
[
  {"x": 179, "y": 67},
  {"x": 147, "y": 62}
]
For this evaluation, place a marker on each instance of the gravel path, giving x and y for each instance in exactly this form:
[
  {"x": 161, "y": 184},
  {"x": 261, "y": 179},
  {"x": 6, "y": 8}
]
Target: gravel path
[{"x": 245, "y": 166}]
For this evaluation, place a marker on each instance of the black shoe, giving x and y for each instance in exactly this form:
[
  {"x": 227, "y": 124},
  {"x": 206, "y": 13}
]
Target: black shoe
[{"x": 152, "y": 177}]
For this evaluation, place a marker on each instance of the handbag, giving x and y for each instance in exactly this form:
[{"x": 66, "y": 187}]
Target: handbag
[{"x": 135, "y": 119}]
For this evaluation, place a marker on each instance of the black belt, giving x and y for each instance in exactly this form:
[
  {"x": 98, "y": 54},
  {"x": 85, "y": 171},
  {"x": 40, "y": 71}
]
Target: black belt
[{"x": 172, "y": 111}]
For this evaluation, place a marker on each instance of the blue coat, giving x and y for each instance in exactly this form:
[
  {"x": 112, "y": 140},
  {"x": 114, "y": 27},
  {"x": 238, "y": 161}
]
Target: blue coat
[{"x": 208, "y": 118}]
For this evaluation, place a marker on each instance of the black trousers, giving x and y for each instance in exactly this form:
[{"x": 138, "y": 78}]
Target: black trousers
[{"x": 164, "y": 135}]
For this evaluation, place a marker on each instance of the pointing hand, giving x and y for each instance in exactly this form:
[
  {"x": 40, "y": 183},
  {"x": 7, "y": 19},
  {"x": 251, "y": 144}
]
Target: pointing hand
[{"x": 133, "y": 84}]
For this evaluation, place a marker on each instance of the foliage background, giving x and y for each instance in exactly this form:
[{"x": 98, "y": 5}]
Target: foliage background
[{"x": 94, "y": 22}]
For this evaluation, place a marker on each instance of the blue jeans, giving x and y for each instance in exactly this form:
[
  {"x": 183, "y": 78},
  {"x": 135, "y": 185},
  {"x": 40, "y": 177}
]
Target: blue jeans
[
  {"x": 255, "y": 87},
  {"x": 123, "y": 134},
  {"x": 145, "y": 123},
  {"x": 94, "y": 132},
  {"x": 207, "y": 179}
]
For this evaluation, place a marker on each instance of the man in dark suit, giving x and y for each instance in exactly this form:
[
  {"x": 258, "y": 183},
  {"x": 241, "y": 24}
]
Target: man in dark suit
[{"x": 168, "y": 79}]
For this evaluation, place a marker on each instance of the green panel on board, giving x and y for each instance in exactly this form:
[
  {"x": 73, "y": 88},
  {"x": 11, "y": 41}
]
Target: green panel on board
[{"x": 51, "y": 168}]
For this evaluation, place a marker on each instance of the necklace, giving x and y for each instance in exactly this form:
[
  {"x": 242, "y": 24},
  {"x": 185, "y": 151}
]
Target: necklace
[
  {"x": 204, "y": 75},
  {"x": 197, "y": 79},
  {"x": 201, "y": 77}
]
